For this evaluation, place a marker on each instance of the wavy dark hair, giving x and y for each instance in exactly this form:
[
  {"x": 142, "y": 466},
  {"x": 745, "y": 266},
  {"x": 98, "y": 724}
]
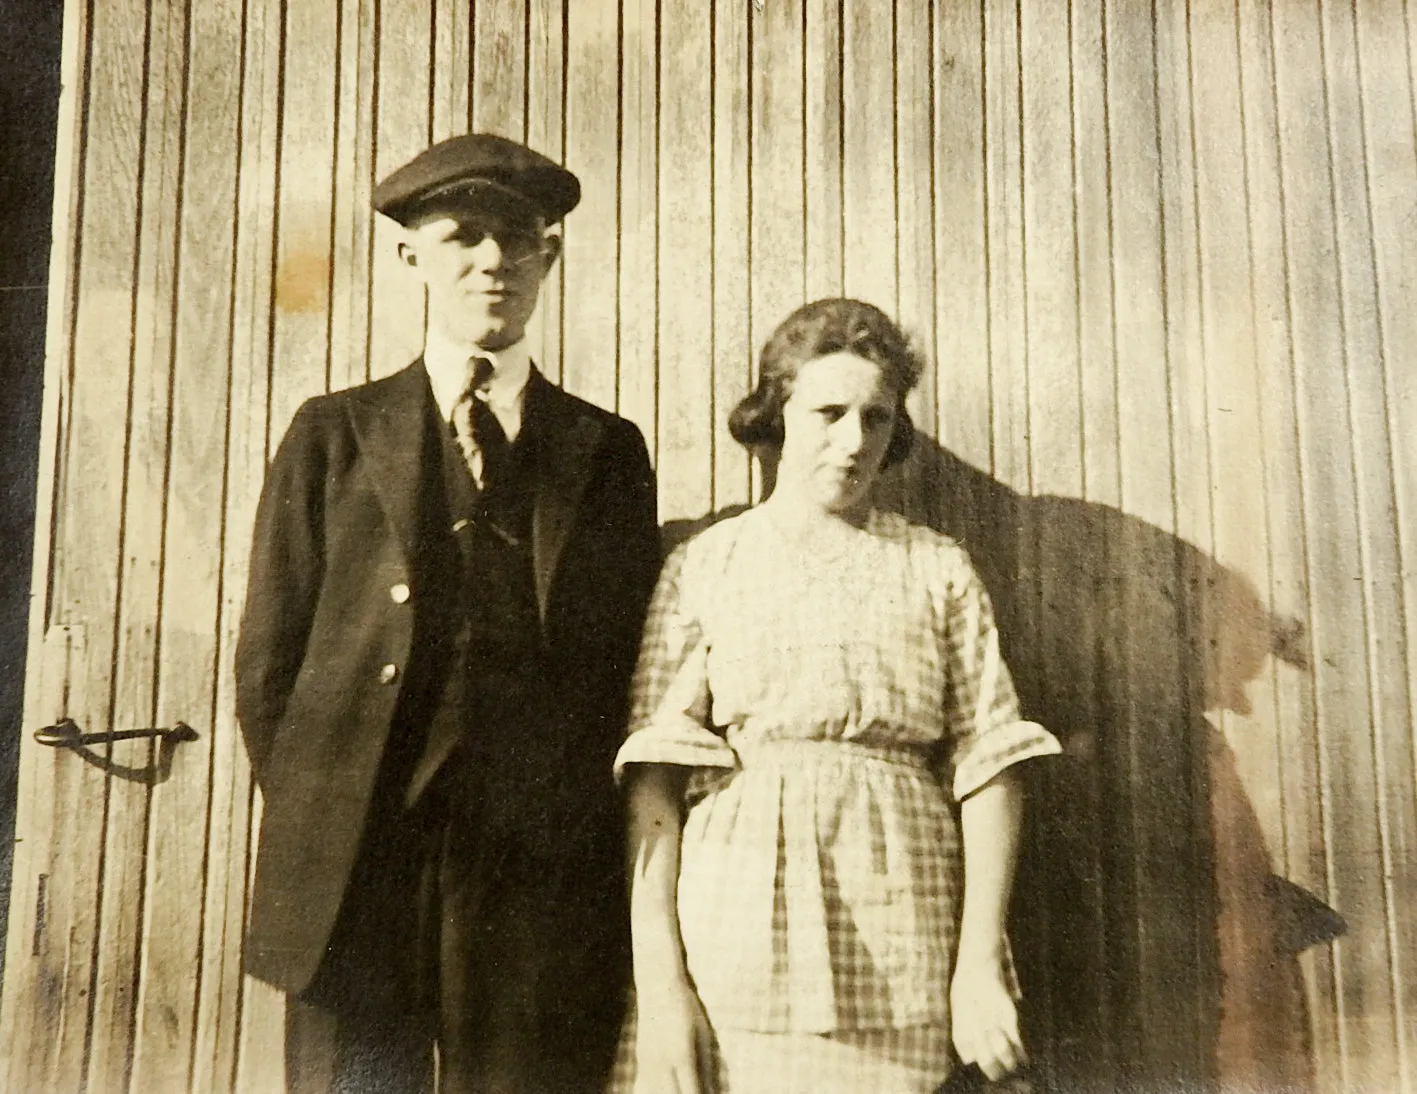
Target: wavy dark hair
[{"x": 818, "y": 329}]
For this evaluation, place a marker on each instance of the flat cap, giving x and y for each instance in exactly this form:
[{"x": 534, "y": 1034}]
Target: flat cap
[{"x": 479, "y": 167}]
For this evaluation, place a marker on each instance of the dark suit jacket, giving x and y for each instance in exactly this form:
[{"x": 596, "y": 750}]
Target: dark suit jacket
[{"x": 329, "y": 626}]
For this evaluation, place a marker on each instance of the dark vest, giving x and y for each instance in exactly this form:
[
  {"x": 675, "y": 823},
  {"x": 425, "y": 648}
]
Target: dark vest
[{"x": 492, "y": 747}]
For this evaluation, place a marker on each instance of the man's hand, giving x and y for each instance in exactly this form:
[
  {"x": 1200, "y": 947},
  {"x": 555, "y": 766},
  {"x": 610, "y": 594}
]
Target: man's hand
[
  {"x": 673, "y": 1044},
  {"x": 984, "y": 1018}
]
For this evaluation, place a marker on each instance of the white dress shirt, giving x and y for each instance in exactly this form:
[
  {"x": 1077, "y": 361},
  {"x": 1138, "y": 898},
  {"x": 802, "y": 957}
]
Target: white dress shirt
[{"x": 449, "y": 368}]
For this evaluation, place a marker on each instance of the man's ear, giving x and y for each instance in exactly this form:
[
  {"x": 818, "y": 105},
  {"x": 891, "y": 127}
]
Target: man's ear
[
  {"x": 408, "y": 254},
  {"x": 551, "y": 247}
]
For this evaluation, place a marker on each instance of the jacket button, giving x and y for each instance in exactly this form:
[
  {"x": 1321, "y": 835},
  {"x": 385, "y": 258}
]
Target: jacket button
[
  {"x": 387, "y": 674},
  {"x": 399, "y": 593}
]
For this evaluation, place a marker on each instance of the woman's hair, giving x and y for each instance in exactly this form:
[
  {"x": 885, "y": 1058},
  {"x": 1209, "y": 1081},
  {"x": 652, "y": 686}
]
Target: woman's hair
[{"x": 819, "y": 329}]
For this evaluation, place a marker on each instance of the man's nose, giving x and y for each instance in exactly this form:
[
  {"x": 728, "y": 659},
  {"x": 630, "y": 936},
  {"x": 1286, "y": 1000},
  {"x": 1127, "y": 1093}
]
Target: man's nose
[{"x": 487, "y": 253}]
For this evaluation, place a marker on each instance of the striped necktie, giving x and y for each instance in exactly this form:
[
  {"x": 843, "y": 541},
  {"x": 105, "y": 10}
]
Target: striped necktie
[{"x": 479, "y": 434}]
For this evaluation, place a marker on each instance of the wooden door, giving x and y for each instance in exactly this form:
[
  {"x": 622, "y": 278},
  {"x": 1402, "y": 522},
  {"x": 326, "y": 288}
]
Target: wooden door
[{"x": 122, "y": 966}]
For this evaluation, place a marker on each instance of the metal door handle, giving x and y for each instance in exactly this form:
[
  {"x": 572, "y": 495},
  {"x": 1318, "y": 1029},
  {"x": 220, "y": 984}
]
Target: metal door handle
[{"x": 66, "y": 734}]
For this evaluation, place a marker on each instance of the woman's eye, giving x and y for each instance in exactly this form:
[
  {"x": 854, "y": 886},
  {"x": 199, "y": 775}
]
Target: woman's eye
[{"x": 831, "y": 413}]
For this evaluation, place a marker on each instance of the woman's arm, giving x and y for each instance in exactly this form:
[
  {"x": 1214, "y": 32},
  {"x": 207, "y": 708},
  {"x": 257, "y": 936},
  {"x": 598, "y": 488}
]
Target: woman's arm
[
  {"x": 982, "y": 1009},
  {"x": 673, "y": 1040},
  {"x": 990, "y": 820},
  {"x": 655, "y": 827}
]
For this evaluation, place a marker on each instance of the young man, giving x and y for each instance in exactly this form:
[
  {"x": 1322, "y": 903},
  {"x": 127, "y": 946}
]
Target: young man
[{"x": 448, "y": 579}]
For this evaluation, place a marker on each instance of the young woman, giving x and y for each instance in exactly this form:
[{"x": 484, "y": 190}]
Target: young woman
[{"x": 823, "y": 815}]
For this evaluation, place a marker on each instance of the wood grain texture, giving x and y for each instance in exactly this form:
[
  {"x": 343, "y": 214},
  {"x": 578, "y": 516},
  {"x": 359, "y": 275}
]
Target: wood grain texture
[
  {"x": 732, "y": 221},
  {"x": 592, "y": 256},
  {"x": 684, "y": 360},
  {"x": 29, "y": 1009},
  {"x": 95, "y": 976},
  {"x": 1158, "y": 257},
  {"x": 638, "y": 302},
  {"x": 191, "y": 554}
]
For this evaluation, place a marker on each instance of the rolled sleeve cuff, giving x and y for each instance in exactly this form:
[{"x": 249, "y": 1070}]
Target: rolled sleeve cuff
[
  {"x": 1003, "y": 746},
  {"x": 682, "y": 743}
]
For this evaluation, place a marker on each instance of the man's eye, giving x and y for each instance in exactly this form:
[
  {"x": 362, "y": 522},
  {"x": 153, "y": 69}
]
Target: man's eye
[{"x": 831, "y": 413}]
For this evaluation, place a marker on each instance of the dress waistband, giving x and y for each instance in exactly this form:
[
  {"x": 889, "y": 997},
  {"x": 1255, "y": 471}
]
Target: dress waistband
[{"x": 811, "y": 749}]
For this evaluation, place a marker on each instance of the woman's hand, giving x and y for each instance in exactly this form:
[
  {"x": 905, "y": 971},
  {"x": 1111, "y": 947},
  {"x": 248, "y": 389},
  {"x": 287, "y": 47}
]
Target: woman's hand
[
  {"x": 983, "y": 1016},
  {"x": 673, "y": 1043}
]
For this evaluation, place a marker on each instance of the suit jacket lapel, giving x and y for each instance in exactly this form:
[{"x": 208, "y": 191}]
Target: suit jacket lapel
[
  {"x": 388, "y": 419},
  {"x": 565, "y": 441}
]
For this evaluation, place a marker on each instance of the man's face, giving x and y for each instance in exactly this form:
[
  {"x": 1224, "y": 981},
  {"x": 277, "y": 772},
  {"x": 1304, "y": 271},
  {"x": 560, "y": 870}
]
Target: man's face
[{"x": 483, "y": 269}]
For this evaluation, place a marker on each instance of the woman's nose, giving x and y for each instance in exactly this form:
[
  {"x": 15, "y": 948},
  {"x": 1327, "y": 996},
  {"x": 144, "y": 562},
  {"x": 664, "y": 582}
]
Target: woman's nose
[{"x": 849, "y": 434}]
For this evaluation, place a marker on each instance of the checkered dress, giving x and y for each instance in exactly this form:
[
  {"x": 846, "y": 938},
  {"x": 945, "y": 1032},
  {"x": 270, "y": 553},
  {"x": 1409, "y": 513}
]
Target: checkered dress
[{"x": 825, "y": 704}]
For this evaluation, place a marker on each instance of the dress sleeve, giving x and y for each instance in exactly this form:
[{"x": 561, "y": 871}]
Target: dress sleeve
[
  {"x": 670, "y": 700},
  {"x": 984, "y": 728}
]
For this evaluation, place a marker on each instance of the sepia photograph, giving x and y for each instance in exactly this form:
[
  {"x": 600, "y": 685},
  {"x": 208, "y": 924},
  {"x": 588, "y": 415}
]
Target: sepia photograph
[{"x": 708, "y": 547}]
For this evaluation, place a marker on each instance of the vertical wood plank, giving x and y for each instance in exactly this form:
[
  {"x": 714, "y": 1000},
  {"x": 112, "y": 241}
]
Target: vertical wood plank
[
  {"x": 915, "y": 229},
  {"x": 777, "y": 198},
  {"x": 240, "y": 1023},
  {"x": 913, "y": 106},
  {"x": 353, "y": 184},
  {"x": 1148, "y": 765},
  {"x": 636, "y": 394},
  {"x": 27, "y": 1002},
  {"x": 546, "y": 112},
  {"x": 499, "y": 67},
  {"x": 592, "y": 231},
  {"x": 1377, "y": 1049},
  {"x": 453, "y": 68},
  {"x": 1303, "y": 849},
  {"x": 403, "y": 121},
  {"x": 1232, "y": 405},
  {"x": 1004, "y": 227},
  {"x": 1262, "y": 1026},
  {"x": 1055, "y": 609},
  {"x": 822, "y": 148},
  {"x": 305, "y": 210},
  {"x": 868, "y": 130},
  {"x": 89, "y": 535},
  {"x": 1186, "y": 829},
  {"x": 732, "y": 304},
  {"x": 38, "y": 1046},
  {"x": 1190, "y": 456},
  {"x": 123, "y": 909},
  {"x": 1338, "y": 638},
  {"x": 1050, "y": 259},
  {"x": 685, "y": 219},
  {"x": 1083, "y": 1049},
  {"x": 961, "y": 348},
  {"x": 172, "y": 928}
]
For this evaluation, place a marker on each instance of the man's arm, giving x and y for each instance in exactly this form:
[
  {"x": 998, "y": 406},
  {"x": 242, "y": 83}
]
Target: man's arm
[
  {"x": 287, "y": 568},
  {"x": 634, "y": 508},
  {"x": 629, "y": 507}
]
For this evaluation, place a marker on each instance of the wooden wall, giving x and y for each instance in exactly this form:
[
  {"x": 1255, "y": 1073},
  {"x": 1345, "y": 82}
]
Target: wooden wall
[{"x": 1161, "y": 256}]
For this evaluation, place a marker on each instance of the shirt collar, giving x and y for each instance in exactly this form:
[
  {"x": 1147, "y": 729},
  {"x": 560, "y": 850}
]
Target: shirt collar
[{"x": 449, "y": 367}]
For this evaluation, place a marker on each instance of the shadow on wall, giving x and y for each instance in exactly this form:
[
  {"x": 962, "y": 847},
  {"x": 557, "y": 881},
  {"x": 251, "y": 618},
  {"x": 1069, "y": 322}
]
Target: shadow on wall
[{"x": 1154, "y": 945}]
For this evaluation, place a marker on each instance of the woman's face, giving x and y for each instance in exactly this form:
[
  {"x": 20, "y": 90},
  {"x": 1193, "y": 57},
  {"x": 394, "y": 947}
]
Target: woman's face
[{"x": 836, "y": 428}]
